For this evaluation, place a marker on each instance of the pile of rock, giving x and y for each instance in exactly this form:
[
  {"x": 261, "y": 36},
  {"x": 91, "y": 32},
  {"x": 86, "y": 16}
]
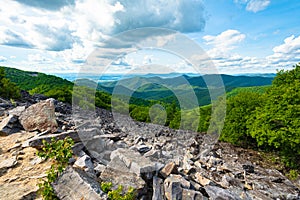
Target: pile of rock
[{"x": 159, "y": 162}]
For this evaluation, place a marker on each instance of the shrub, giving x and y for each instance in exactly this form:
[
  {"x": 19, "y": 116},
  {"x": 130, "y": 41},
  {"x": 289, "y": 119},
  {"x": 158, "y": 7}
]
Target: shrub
[
  {"x": 60, "y": 152},
  {"x": 276, "y": 124},
  {"x": 118, "y": 194}
]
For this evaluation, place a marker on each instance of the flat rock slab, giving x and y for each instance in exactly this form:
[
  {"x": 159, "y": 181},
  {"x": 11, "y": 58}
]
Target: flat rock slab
[
  {"x": 135, "y": 162},
  {"x": 17, "y": 111},
  {"x": 5, "y": 164},
  {"x": 158, "y": 188},
  {"x": 76, "y": 184},
  {"x": 117, "y": 173},
  {"x": 38, "y": 141},
  {"x": 220, "y": 193},
  {"x": 40, "y": 116}
]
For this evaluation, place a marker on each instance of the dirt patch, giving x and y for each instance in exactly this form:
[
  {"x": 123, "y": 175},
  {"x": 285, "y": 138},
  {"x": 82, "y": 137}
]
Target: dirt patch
[{"x": 20, "y": 181}]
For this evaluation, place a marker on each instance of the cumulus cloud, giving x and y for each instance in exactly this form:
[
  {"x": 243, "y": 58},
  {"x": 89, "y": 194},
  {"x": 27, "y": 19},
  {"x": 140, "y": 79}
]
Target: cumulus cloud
[
  {"x": 12, "y": 38},
  {"x": 289, "y": 51},
  {"x": 93, "y": 20},
  {"x": 157, "y": 13},
  {"x": 284, "y": 55},
  {"x": 54, "y": 38},
  {"x": 224, "y": 59},
  {"x": 224, "y": 42},
  {"x": 254, "y": 5}
]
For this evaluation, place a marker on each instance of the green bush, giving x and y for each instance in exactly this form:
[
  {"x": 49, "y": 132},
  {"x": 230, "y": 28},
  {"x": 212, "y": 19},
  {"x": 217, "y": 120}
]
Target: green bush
[
  {"x": 59, "y": 152},
  {"x": 118, "y": 193},
  {"x": 293, "y": 174},
  {"x": 276, "y": 124}
]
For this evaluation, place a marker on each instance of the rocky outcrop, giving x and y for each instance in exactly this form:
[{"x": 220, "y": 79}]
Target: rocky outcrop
[
  {"x": 40, "y": 116},
  {"x": 159, "y": 162}
]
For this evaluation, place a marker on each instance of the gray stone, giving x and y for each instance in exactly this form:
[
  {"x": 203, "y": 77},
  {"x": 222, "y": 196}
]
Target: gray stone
[
  {"x": 219, "y": 193},
  {"x": 76, "y": 184},
  {"x": 9, "y": 125},
  {"x": 135, "y": 162},
  {"x": 143, "y": 148},
  {"x": 174, "y": 185},
  {"x": 158, "y": 189},
  {"x": 7, "y": 163},
  {"x": 99, "y": 169},
  {"x": 40, "y": 116},
  {"x": 98, "y": 145},
  {"x": 38, "y": 141},
  {"x": 85, "y": 163},
  {"x": 77, "y": 148},
  {"x": 17, "y": 111},
  {"x": 117, "y": 173}
]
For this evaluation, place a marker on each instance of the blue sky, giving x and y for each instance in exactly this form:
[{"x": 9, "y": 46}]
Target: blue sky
[{"x": 239, "y": 36}]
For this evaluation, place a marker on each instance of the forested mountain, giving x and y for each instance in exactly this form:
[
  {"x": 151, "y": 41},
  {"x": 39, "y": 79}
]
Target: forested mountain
[
  {"x": 167, "y": 90},
  {"x": 265, "y": 117}
]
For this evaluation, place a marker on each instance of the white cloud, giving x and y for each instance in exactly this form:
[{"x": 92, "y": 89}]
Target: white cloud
[
  {"x": 224, "y": 42},
  {"x": 287, "y": 52},
  {"x": 69, "y": 29},
  {"x": 257, "y": 5},
  {"x": 157, "y": 13},
  {"x": 291, "y": 45},
  {"x": 254, "y": 5},
  {"x": 57, "y": 26},
  {"x": 284, "y": 56},
  {"x": 3, "y": 59},
  {"x": 12, "y": 38}
]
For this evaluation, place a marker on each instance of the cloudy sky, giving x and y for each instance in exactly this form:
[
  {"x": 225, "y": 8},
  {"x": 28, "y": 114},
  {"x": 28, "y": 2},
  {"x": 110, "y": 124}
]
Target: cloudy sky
[{"x": 239, "y": 36}]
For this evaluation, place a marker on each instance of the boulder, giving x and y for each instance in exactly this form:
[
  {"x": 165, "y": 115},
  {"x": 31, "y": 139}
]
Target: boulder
[
  {"x": 174, "y": 185},
  {"x": 76, "y": 184},
  {"x": 117, "y": 173},
  {"x": 135, "y": 162},
  {"x": 40, "y": 116}
]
